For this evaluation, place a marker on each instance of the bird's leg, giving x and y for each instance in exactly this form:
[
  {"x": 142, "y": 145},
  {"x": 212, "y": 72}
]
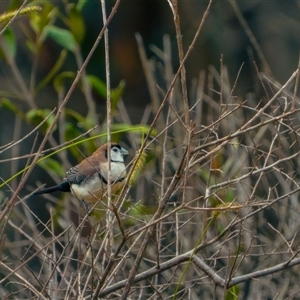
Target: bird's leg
[{"x": 85, "y": 206}]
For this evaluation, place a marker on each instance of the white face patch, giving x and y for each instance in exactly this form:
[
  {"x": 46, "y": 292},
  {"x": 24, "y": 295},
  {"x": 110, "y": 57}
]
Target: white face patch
[{"x": 117, "y": 154}]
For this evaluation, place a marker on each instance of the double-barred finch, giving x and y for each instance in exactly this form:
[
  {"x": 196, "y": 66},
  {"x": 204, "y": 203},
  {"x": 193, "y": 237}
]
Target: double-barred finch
[{"x": 88, "y": 180}]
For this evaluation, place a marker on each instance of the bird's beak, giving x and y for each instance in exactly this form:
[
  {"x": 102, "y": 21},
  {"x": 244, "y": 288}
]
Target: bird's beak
[{"x": 123, "y": 151}]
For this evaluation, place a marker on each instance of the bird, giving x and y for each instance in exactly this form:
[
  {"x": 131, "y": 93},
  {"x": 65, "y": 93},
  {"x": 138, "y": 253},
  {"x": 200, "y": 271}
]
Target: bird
[{"x": 88, "y": 180}]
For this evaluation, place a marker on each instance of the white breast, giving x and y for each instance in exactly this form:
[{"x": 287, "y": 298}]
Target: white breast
[
  {"x": 95, "y": 189},
  {"x": 90, "y": 190}
]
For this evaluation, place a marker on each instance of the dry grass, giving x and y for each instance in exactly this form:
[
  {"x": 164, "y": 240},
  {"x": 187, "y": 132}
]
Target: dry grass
[{"x": 215, "y": 204}]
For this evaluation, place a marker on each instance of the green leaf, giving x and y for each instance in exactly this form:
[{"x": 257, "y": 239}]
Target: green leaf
[
  {"x": 133, "y": 128},
  {"x": 61, "y": 36},
  {"x": 97, "y": 84},
  {"x": 7, "y": 104},
  {"x": 39, "y": 21},
  {"x": 78, "y": 117},
  {"x": 13, "y": 4},
  {"x": 36, "y": 116},
  {"x": 81, "y": 4},
  {"x": 82, "y": 123},
  {"x": 76, "y": 24},
  {"x": 52, "y": 166},
  {"x": 60, "y": 80},
  {"x": 117, "y": 93},
  {"x": 71, "y": 131},
  {"x": 100, "y": 88},
  {"x": 9, "y": 41},
  {"x": 233, "y": 293}
]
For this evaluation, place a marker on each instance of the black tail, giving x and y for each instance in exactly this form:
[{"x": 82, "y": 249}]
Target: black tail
[{"x": 63, "y": 187}]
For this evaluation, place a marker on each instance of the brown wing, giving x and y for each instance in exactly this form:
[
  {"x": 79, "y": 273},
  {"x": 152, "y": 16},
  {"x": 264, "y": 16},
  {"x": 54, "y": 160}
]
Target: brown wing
[{"x": 88, "y": 167}]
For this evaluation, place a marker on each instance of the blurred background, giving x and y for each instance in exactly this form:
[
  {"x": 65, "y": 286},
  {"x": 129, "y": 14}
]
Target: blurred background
[
  {"x": 274, "y": 24},
  {"x": 253, "y": 44},
  {"x": 37, "y": 68}
]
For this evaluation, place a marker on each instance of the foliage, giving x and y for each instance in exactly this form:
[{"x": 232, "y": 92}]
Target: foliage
[{"x": 211, "y": 198}]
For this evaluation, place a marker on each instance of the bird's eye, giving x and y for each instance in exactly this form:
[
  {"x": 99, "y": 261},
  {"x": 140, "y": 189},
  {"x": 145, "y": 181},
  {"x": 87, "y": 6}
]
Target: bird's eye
[{"x": 115, "y": 149}]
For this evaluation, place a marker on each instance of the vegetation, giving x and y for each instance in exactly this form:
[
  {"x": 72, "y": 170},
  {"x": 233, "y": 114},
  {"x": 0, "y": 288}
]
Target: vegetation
[{"x": 210, "y": 207}]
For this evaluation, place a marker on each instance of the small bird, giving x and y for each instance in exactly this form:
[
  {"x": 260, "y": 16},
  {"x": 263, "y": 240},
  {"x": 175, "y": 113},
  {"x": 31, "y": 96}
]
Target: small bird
[{"x": 88, "y": 180}]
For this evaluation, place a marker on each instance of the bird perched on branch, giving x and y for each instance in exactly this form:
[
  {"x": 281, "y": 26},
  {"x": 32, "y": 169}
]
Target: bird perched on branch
[{"x": 88, "y": 181}]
